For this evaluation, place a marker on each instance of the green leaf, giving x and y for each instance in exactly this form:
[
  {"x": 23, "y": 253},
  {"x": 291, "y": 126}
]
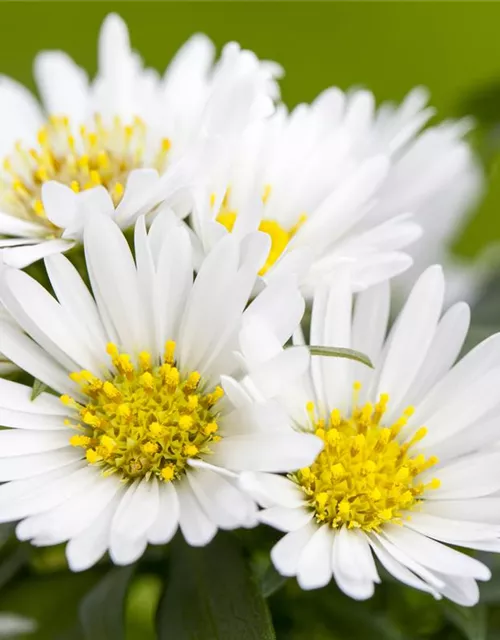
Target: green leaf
[
  {"x": 471, "y": 621},
  {"x": 271, "y": 581},
  {"x": 212, "y": 595},
  {"x": 340, "y": 352},
  {"x": 38, "y": 388},
  {"x": 102, "y": 611},
  {"x": 13, "y": 564}
]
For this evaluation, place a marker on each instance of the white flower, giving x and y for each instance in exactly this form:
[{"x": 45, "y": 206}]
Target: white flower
[
  {"x": 346, "y": 181},
  {"x": 408, "y": 461},
  {"x": 122, "y": 130},
  {"x": 144, "y": 440}
]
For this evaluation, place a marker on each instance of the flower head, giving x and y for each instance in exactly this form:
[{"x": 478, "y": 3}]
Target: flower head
[
  {"x": 152, "y": 426},
  {"x": 407, "y": 462},
  {"x": 340, "y": 182},
  {"x": 121, "y": 143}
]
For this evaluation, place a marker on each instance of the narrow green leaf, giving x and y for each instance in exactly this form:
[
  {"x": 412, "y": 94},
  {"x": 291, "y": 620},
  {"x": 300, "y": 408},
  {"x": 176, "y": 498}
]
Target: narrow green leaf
[
  {"x": 211, "y": 595},
  {"x": 102, "y": 611},
  {"x": 38, "y": 388},
  {"x": 471, "y": 621},
  {"x": 340, "y": 352},
  {"x": 271, "y": 581}
]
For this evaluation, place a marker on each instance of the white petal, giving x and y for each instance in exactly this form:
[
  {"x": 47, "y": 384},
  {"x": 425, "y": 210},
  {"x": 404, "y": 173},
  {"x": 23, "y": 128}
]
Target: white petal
[
  {"x": 280, "y": 306},
  {"x": 197, "y": 529},
  {"x": 453, "y": 531},
  {"x": 115, "y": 281},
  {"x": 314, "y": 570},
  {"x": 21, "y": 114},
  {"x": 272, "y": 490},
  {"x": 137, "y": 195},
  {"x": 41, "y": 316},
  {"x": 224, "y": 504},
  {"x": 285, "y": 518},
  {"x": 12, "y": 226},
  {"x": 73, "y": 516},
  {"x": 267, "y": 452},
  {"x": 87, "y": 548},
  {"x": 34, "y": 360},
  {"x": 411, "y": 337},
  {"x": 369, "y": 326},
  {"x": 19, "y": 467},
  {"x": 352, "y": 564},
  {"x": 434, "y": 555},
  {"x": 60, "y": 204},
  {"x": 48, "y": 494},
  {"x": 167, "y": 521},
  {"x": 14, "y": 442},
  {"x": 475, "y": 364},
  {"x": 17, "y": 397},
  {"x": 63, "y": 85},
  {"x": 463, "y": 591},
  {"x": 469, "y": 477},
  {"x": 21, "y": 257},
  {"x": 398, "y": 554},
  {"x": 137, "y": 512},
  {"x": 76, "y": 299},
  {"x": 474, "y": 510},
  {"x": 287, "y": 552},
  {"x": 277, "y": 375},
  {"x": 174, "y": 279},
  {"x": 467, "y": 407},
  {"x": 398, "y": 570},
  {"x": 444, "y": 350}
]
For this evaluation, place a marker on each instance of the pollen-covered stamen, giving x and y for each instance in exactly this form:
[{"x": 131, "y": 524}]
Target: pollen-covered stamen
[
  {"x": 364, "y": 477},
  {"x": 79, "y": 157},
  {"x": 146, "y": 420},
  {"x": 280, "y": 236}
]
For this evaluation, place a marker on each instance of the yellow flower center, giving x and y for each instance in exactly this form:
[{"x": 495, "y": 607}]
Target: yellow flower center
[
  {"x": 147, "y": 420},
  {"x": 364, "y": 477},
  {"x": 280, "y": 237},
  {"x": 79, "y": 157}
]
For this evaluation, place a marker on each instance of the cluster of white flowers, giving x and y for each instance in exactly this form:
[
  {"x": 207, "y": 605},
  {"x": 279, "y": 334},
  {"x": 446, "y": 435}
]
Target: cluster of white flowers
[{"x": 180, "y": 389}]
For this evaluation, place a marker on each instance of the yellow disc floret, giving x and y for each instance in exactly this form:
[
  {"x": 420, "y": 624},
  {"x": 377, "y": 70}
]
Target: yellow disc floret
[
  {"x": 145, "y": 421},
  {"x": 365, "y": 476},
  {"x": 79, "y": 157},
  {"x": 280, "y": 236}
]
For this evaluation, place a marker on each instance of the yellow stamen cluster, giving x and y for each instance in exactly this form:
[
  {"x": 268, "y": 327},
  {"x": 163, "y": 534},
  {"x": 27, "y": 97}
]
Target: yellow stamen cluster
[
  {"x": 364, "y": 477},
  {"x": 280, "y": 237},
  {"x": 79, "y": 157},
  {"x": 147, "y": 420}
]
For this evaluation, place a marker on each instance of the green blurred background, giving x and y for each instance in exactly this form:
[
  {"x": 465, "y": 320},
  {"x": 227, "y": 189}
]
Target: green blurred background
[{"x": 452, "y": 48}]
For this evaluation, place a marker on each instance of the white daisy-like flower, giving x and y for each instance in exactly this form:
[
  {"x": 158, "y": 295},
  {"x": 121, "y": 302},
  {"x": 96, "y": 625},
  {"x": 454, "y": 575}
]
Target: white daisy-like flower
[
  {"x": 119, "y": 132},
  {"x": 407, "y": 462},
  {"x": 346, "y": 181},
  {"x": 143, "y": 439}
]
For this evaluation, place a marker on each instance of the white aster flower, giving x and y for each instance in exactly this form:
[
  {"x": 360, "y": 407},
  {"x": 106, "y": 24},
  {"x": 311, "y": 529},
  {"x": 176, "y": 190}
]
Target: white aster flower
[
  {"x": 144, "y": 440},
  {"x": 407, "y": 462},
  {"x": 346, "y": 181},
  {"x": 119, "y": 132}
]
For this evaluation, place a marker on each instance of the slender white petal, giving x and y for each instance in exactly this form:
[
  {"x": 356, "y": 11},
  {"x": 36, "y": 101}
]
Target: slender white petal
[{"x": 312, "y": 570}]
